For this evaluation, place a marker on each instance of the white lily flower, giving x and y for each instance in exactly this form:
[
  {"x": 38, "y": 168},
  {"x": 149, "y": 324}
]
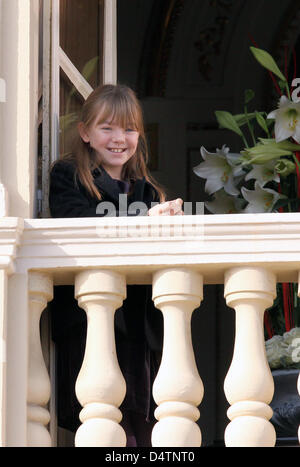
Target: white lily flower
[
  {"x": 260, "y": 199},
  {"x": 274, "y": 349},
  {"x": 225, "y": 204},
  {"x": 219, "y": 170},
  {"x": 263, "y": 173},
  {"x": 287, "y": 120}
]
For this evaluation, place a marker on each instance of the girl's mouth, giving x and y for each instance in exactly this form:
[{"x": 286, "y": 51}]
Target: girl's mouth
[{"x": 116, "y": 150}]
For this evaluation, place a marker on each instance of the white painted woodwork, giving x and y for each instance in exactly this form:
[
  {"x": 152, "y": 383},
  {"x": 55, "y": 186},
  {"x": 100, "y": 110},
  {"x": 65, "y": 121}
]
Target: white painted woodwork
[
  {"x": 3, "y": 201},
  {"x": 100, "y": 386},
  {"x": 3, "y": 337},
  {"x": 55, "y": 82},
  {"x": 2, "y": 84},
  {"x": 11, "y": 422},
  {"x": 10, "y": 230},
  {"x": 110, "y": 42},
  {"x": 177, "y": 389},
  {"x": 141, "y": 245},
  {"x": 248, "y": 250},
  {"x": 47, "y": 95},
  {"x": 249, "y": 385},
  {"x": 74, "y": 75},
  {"x": 19, "y": 39},
  {"x": 40, "y": 287}
]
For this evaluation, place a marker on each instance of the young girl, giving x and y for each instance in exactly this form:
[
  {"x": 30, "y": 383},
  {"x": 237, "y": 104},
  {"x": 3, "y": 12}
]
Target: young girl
[{"x": 109, "y": 158}]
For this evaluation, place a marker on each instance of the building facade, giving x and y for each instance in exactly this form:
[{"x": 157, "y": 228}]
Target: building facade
[{"x": 185, "y": 59}]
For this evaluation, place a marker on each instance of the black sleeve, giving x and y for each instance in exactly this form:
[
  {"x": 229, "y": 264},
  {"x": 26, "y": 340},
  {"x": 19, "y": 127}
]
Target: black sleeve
[{"x": 65, "y": 199}]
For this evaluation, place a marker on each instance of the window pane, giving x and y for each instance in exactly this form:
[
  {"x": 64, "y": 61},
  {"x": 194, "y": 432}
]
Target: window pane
[{"x": 81, "y": 38}]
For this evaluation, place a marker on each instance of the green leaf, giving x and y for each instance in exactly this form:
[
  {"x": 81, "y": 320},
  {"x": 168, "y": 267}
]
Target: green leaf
[
  {"x": 267, "y": 141},
  {"x": 285, "y": 145},
  {"x": 262, "y": 122},
  {"x": 269, "y": 122},
  {"x": 89, "y": 67},
  {"x": 288, "y": 146},
  {"x": 226, "y": 120},
  {"x": 249, "y": 95},
  {"x": 66, "y": 120},
  {"x": 241, "y": 119},
  {"x": 282, "y": 84},
  {"x": 267, "y": 61}
]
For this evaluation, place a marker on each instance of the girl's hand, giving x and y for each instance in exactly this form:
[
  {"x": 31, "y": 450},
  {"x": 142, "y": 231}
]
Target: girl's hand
[{"x": 168, "y": 208}]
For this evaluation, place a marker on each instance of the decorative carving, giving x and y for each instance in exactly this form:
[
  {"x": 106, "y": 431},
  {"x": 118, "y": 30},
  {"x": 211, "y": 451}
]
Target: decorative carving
[
  {"x": 211, "y": 37},
  {"x": 287, "y": 40},
  {"x": 157, "y": 47}
]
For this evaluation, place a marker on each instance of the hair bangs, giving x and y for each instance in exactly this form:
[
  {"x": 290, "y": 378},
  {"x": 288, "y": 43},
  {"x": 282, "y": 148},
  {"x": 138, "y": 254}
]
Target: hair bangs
[{"x": 121, "y": 111}]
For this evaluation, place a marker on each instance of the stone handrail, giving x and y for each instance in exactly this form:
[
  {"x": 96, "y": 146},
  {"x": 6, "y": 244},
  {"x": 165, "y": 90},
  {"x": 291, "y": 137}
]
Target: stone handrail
[{"x": 177, "y": 255}]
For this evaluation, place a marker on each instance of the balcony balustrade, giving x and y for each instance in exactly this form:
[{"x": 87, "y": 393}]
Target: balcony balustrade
[{"x": 177, "y": 255}]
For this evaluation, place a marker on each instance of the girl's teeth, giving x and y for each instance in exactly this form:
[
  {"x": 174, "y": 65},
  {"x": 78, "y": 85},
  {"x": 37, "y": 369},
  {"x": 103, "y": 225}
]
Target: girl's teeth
[{"x": 116, "y": 150}]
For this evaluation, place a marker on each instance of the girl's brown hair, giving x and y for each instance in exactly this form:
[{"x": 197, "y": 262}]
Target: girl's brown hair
[{"x": 118, "y": 104}]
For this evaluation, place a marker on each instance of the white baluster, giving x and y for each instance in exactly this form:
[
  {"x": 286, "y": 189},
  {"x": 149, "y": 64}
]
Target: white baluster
[
  {"x": 100, "y": 386},
  {"x": 38, "y": 392},
  {"x": 249, "y": 385},
  {"x": 298, "y": 387},
  {"x": 298, "y": 384},
  {"x": 178, "y": 388}
]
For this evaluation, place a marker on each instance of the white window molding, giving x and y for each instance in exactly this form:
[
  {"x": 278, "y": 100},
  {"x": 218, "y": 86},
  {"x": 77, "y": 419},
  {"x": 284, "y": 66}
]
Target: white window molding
[
  {"x": 76, "y": 78},
  {"x": 110, "y": 42}
]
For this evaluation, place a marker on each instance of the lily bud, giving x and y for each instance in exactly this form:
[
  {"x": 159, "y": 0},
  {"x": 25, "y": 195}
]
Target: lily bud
[
  {"x": 263, "y": 153},
  {"x": 285, "y": 167}
]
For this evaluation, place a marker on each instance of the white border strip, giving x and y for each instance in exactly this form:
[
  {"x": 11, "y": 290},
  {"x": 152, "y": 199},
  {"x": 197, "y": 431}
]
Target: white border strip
[{"x": 110, "y": 42}]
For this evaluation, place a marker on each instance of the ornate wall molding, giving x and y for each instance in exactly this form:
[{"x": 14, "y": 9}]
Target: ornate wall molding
[
  {"x": 211, "y": 38},
  {"x": 157, "y": 47},
  {"x": 285, "y": 42}
]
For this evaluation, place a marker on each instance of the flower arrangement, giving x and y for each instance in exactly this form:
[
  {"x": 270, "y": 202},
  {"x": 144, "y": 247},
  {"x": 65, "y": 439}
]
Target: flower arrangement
[
  {"x": 284, "y": 351},
  {"x": 258, "y": 178},
  {"x": 263, "y": 177}
]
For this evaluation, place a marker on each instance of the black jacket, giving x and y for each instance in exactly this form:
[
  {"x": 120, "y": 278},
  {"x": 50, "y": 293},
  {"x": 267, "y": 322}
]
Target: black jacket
[
  {"x": 69, "y": 198},
  {"x": 138, "y": 324}
]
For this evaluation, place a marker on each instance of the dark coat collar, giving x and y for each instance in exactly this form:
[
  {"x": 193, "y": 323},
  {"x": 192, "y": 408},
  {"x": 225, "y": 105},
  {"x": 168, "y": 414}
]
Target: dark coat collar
[{"x": 108, "y": 186}]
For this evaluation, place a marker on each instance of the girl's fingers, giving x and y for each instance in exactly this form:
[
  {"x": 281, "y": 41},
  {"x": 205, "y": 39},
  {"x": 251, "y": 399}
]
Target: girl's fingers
[{"x": 168, "y": 208}]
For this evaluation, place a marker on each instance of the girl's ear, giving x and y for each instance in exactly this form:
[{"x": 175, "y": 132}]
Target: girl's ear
[{"x": 83, "y": 132}]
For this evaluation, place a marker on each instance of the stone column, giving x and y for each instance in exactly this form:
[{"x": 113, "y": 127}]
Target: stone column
[
  {"x": 178, "y": 389},
  {"x": 249, "y": 385},
  {"x": 100, "y": 386},
  {"x": 38, "y": 394}
]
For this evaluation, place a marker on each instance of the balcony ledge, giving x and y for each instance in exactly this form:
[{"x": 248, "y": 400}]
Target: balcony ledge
[{"x": 207, "y": 243}]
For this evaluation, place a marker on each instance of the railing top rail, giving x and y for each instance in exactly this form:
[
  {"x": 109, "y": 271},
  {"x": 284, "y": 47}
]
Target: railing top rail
[{"x": 140, "y": 245}]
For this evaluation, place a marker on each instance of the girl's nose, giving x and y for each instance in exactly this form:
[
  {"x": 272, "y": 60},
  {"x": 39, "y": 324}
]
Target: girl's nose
[{"x": 118, "y": 135}]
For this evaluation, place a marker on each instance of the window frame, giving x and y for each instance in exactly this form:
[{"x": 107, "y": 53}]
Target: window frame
[{"x": 55, "y": 58}]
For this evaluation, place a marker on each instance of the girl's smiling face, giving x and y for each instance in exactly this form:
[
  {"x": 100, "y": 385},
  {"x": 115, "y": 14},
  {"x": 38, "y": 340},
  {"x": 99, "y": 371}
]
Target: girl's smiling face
[{"x": 113, "y": 144}]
